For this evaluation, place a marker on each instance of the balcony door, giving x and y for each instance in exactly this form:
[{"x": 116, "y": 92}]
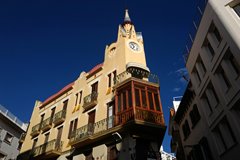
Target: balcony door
[
  {"x": 91, "y": 120},
  {"x": 110, "y": 114},
  {"x": 42, "y": 118},
  {"x": 95, "y": 87},
  {"x": 59, "y": 135},
  {"x": 45, "y": 142},
  {"x": 52, "y": 114}
]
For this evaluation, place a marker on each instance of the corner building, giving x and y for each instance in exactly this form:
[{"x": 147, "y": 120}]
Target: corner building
[
  {"x": 207, "y": 119},
  {"x": 112, "y": 112}
]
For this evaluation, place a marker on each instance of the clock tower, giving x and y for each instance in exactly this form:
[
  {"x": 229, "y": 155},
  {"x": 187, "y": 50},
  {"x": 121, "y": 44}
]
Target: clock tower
[{"x": 128, "y": 51}]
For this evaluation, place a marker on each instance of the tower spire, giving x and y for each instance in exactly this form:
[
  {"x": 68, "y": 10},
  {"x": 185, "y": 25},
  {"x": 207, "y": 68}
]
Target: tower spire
[{"x": 127, "y": 18}]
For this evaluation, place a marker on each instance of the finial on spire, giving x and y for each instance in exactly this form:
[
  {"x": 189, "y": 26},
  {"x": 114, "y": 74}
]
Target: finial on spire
[{"x": 127, "y": 18}]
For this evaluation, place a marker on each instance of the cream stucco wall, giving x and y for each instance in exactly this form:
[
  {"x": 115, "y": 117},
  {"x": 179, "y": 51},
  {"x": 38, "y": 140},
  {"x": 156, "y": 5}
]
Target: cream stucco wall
[{"x": 117, "y": 55}]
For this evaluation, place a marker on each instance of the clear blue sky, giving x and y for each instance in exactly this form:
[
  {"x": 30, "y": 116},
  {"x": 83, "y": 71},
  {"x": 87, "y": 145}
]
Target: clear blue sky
[{"x": 45, "y": 45}]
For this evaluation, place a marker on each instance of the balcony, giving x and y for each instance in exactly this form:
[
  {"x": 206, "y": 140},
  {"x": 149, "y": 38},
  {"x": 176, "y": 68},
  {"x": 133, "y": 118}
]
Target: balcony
[
  {"x": 46, "y": 124},
  {"x": 59, "y": 117},
  {"x": 35, "y": 130},
  {"x": 91, "y": 133},
  {"x": 90, "y": 101},
  {"x": 138, "y": 121},
  {"x": 22, "y": 138},
  {"x": 136, "y": 74},
  {"x": 140, "y": 115},
  {"x": 48, "y": 150}
]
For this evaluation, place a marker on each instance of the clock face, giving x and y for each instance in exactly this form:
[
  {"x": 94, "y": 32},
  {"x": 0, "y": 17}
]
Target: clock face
[{"x": 134, "y": 46}]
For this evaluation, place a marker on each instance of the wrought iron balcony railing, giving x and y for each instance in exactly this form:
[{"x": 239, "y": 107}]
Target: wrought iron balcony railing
[
  {"x": 122, "y": 118},
  {"x": 91, "y": 129},
  {"x": 90, "y": 100},
  {"x": 149, "y": 116},
  {"x": 146, "y": 76},
  {"x": 59, "y": 117},
  {"x": 46, "y": 124},
  {"x": 53, "y": 146},
  {"x": 140, "y": 114},
  {"x": 35, "y": 130}
]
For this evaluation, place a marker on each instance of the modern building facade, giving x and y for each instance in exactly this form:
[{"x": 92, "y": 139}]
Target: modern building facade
[
  {"x": 208, "y": 115},
  {"x": 11, "y": 131},
  {"x": 112, "y": 112},
  {"x": 173, "y": 130}
]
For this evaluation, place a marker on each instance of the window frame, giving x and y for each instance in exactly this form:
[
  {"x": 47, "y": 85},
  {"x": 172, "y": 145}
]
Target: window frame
[
  {"x": 11, "y": 138},
  {"x": 237, "y": 11}
]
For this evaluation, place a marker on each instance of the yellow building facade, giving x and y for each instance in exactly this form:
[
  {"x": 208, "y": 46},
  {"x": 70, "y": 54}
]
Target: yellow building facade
[{"x": 112, "y": 112}]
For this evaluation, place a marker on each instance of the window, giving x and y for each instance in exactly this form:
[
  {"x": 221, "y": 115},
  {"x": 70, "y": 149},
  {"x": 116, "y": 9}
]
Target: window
[
  {"x": 129, "y": 97},
  {"x": 109, "y": 80},
  {"x": 186, "y": 129},
  {"x": 42, "y": 118},
  {"x": 237, "y": 9},
  {"x": 200, "y": 68},
  {"x": 80, "y": 97},
  {"x": 232, "y": 61},
  {"x": 119, "y": 103},
  {"x": 114, "y": 76},
  {"x": 156, "y": 102},
  {"x": 19, "y": 146},
  {"x": 205, "y": 149},
  {"x": 8, "y": 138},
  {"x": 125, "y": 99},
  {"x": 76, "y": 101},
  {"x": 236, "y": 107},
  {"x": 34, "y": 143},
  {"x": 209, "y": 48},
  {"x": 137, "y": 97},
  {"x": 225, "y": 83},
  {"x": 95, "y": 87},
  {"x": 110, "y": 113},
  {"x": 194, "y": 115},
  {"x": 224, "y": 136},
  {"x": 213, "y": 29},
  {"x": 207, "y": 103},
  {"x": 72, "y": 127},
  {"x": 150, "y": 99},
  {"x": 52, "y": 113},
  {"x": 2, "y": 156},
  {"x": 144, "y": 100},
  {"x": 211, "y": 96},
  {"x": 65, "y": 103},
  {"x": 196, "y": 76}
]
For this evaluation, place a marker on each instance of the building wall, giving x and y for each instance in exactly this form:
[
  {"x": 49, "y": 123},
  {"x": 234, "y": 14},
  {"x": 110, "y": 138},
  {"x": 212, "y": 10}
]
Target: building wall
[
  {"x": 217, "y": 86},
  {"x": 10, "y": 149},
  {"x": 117, "y": 56}
]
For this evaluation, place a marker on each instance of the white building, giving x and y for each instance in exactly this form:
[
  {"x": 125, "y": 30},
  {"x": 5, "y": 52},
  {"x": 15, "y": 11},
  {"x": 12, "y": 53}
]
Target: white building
[
  {"x": 166, "y": 156},
  {"x": 208, "y": 116},
  {"x": 11, "y": 129}
]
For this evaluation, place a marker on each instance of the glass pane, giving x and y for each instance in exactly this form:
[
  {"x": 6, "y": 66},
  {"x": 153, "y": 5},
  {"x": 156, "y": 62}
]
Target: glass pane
[
  {"x": 150, "y": 98},
  {"x": 137, "y": 98},
  {"x": 157, "y": 102},
  {"x": 144, "y": 100},
  {"x": 129, "y": 98},
  {"x": 119, "y": 103},
  {"x": 237, "y": 9},
  {"x": 124, "y": 101}
]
